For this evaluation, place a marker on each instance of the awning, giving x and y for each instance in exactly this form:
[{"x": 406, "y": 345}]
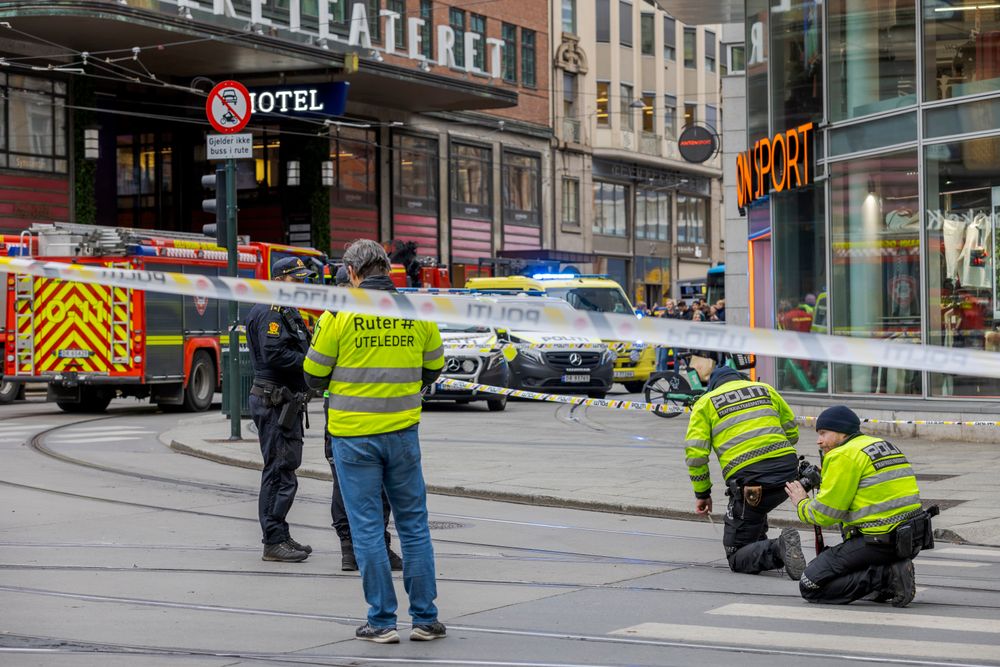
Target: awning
[{"x": 699, "y": 12}]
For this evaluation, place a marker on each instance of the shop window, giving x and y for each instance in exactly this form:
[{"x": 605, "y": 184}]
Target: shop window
[
  {"x": 625, "y": 106},
  {"x": 144, "y": 180},
  {"x": 509, "y": 35},
  {"x": 649, "y": 112},
  {"x": 477, "y": 24},
  {"x": 647, "y": 33},
  {"x": 569, "y": 16},
  {"x": 427, "y": 29},
  {"x": 690, "y": 47},
  {"x": 353, "y": 154},
  {"x": 603, "y": 13},
  {"x": 471, "y": 179},
  {"x": 758, "y": 90},
  {"x": 710, "y": 51},
  {"x": 799, "y": 260},
  {"x": 32, "y": 124},
  {"x": 797, "y": 64},
  {"x": 415, "y": 168},
  {"x": 692, "y": 220},
  {"x": 456, "y": 19},
  {"x": 610, "y": 209},
  {"x": 571, "y": 202},
  {"x": 875, "y": 239},
  {"x": 652, "y": 215},
  {"x": 399, "y": 6},
  {"x": 872, "y": 56},
  {"x": 670, "y": 116},
  {"x": 961, "y": 49},
  {"x": 603, "y": 103},
  {"x": 625, "y": 23},
  {"x": 521, "y": 188},
  {"x": 962, "y": 200},
  {"x": 669, "y": 39},
  {"x": 527, "y": 57}
]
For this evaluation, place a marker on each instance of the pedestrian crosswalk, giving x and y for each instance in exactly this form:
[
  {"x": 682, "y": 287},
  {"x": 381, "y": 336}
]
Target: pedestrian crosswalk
[
  {"x": 18, "y": 432},
  {"x": 98, "y": 434}
]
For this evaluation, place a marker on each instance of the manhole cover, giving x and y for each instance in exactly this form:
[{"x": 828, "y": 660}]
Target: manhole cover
[
  {"x": 444, "y": 525},
  {"x": 943, "y": 504}
]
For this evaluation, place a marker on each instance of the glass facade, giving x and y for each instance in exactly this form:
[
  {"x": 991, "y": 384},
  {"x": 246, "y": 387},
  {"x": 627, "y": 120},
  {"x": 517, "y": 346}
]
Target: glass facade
[{"x": 897, "y": 238}]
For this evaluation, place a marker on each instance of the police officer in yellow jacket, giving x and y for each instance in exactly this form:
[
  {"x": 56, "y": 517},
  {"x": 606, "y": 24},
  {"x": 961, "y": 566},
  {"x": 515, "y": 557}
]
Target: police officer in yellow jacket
[
  {"x": 869, "y": 488},
  {"x": 752, "y": 431},
  {"x": 374, "y": 368}
]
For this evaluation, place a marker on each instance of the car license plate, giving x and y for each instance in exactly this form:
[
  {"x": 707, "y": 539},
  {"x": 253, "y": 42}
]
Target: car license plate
[
  {"x": 576, "y": 377},
  {"x": 74, "y": 354},
  {"x": 624, "y": 374}
]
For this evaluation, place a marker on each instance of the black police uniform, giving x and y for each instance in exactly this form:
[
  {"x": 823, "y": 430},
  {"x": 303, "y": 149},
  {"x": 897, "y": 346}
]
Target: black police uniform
[{"x": 278, "y": 341}]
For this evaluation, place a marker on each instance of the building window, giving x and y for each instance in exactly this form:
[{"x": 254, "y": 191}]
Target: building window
[
  {"x": 690, "y": 47},
  {"x": 521, "y": 185},
  {"x": 571, "y": 201},
  {"x": 692, "y": 219},
  {"x": 625, "y": 23},
  {"x": 670, "y": 116},
  {"x": 712, "y": 117},
  {"x": 625, "y": 107},
  {"x": 399, "y": 6},
  {"x": 144, "y": 165},
  {"x": 798, "y": 74},
  {"x": 427, "y": 30},
  {"x": 352, "y": 152},
  {"x": 569, "y": 16},
  {"x": 571, "y": 123},
  {"x": 527, "y": 57},
  {"x": 647, "y": 33},
  {"x": 509, "y": 35},
  {"x": 736, "y": 59},
  {"x": 610, "y": 209},
  {"x": 374, "y": 20},
  {"x": 873, "y": 55},
  {"x": 471, "y": 177},
  {"x": 690, "y": 114},
  {"x": 649, "y": 112},
  {"x": 603, "y": 103},
  {"x": 669, "y": 39},
  {"x": 32, "y": 124},
  {"x": 415, "y": 168},
  {"x": 959, "y": 50},
  {"x": 603, "y": 13},
  {"x": 710, "y": 51},
  {"x": 477, "y": 24},
  {"x": 456, "y": 19},
  {"x": 652, "y": 215}
]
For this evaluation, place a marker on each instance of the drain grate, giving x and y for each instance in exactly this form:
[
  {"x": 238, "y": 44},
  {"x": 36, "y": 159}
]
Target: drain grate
[{"x": 445, "y": 525}]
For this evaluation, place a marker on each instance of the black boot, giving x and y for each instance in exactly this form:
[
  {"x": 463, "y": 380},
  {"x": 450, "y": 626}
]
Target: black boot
[
  {"x": 301, "y": 547},
  {"x": 283, "y": 552},
  {"x": 348, "y": 563}
]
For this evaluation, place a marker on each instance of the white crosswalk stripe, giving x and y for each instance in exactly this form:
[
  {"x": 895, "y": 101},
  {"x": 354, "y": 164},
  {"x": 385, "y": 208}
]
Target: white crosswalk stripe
[
  {"x": 944, "y": 562},
  {"x": 108, "y": 429},
  {"x": 965, "y": 551},
  {"x": 81, "y": 441},
  {"x": 4, "y": 428},
  {"x": 860, "y": 616}
]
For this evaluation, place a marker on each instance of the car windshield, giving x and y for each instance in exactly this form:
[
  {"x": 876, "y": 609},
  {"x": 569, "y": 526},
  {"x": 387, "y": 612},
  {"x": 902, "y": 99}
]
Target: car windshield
[
  {"x": 599, "y": 299},
  {"x": 445, "y": 327}
]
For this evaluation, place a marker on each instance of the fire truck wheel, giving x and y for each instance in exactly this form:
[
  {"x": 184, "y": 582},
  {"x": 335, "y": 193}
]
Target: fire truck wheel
[
  {"x": 9, "y": 391},
  {"x": 201, "y": 383},
  {"x": 93, "y": 402}
]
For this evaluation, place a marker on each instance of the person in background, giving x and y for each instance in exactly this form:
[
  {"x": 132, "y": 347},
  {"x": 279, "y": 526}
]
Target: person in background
[{"x": 720, "y": 307}]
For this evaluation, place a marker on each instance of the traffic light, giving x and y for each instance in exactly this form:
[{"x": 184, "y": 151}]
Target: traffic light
[{"x": 216, "y": 205}]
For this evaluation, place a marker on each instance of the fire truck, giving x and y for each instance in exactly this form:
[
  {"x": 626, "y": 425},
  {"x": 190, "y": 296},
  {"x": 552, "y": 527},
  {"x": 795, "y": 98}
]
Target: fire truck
[{"x": 91, "y": 343}]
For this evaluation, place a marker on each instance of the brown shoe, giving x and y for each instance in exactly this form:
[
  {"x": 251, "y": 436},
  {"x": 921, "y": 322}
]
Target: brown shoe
[{"x": 283, "y": 552}]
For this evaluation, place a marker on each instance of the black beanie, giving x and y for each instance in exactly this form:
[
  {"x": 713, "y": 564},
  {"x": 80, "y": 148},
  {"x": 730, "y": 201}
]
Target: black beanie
[{"x": 840, "y": 419}]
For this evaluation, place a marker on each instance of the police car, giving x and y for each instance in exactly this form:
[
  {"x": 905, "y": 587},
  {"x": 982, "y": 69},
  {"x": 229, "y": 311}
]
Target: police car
[
  {"x": 560, "y": 363},
  {"x": 473, "y": 354}
]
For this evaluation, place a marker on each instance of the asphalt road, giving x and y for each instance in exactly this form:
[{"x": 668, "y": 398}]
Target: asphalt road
[{"x": 115, "y": 550}]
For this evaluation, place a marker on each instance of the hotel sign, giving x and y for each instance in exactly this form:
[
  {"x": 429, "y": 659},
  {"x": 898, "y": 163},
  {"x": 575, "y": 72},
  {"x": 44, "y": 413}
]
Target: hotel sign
[
  {"x": 288, "y": 24},
  {"x": 777, "y": 163}
]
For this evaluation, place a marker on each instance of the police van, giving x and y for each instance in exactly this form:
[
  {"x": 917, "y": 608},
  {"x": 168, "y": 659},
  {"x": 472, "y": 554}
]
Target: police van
[{"x": 473, "y": 354}]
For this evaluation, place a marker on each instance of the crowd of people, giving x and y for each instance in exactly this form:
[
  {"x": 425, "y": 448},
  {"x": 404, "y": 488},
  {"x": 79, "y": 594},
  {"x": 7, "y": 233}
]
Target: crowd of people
[{"x": 698, "y": 310}]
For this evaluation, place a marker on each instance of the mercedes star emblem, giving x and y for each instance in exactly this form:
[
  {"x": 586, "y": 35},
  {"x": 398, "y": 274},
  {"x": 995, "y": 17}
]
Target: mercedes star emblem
[{"x": 575, "y": 359}]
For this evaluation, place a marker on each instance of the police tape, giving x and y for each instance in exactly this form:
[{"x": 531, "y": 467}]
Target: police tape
[
  {"x": 535, "y": 313},
  {"x": 448, "y": 345},
  {"x": 915, "y": 422},
  {"x": 559, "y": 398}
]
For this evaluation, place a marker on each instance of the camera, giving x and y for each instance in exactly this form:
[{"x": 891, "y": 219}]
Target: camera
[{"x": 809, "y": 474}]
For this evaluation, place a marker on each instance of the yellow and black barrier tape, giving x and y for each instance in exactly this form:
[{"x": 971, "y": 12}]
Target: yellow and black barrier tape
[
  {"x": 558, "y": 398},
  {"x": 915, "y": 422},
  {"x": 535, "y": 313}
]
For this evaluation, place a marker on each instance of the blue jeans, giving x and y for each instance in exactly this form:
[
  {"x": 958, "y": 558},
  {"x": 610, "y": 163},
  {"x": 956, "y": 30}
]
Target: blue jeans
[
  {"x": 366, "y": 465},
  {"x": 662, "y": 358}
]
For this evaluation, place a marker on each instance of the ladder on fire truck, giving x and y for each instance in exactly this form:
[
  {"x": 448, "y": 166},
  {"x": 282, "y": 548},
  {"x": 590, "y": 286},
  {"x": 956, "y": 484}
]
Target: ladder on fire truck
[
  {"x": 123, "y": 324},
  {"x": 24, "y": 312}
]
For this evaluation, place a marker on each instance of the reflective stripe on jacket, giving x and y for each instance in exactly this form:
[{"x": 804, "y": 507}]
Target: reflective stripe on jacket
[
  {"x": 744, "y": 422},
  {"x": 374, "y": 366},
  {"x": 867, "y": 484}
]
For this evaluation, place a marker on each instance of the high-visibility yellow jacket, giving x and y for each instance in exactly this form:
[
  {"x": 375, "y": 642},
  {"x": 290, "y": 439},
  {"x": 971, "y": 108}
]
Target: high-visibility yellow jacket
[
  {"x": 375, "y": 365},
  {"x": 744, "y": 422},
  {"x": 868, "y": 485}
]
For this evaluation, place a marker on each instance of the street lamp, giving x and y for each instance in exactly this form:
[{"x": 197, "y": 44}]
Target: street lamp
[
  {"x": 91, "y": 143},
  {"x": 292, "y": 173},
  {"x": 327, "y": 171}
]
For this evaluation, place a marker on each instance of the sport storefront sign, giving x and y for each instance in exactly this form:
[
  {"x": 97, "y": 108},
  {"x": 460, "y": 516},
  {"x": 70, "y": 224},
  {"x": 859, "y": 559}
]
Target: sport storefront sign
[
  {"x": 698, "y": 144},
  {"x": 775, "y": 164}
]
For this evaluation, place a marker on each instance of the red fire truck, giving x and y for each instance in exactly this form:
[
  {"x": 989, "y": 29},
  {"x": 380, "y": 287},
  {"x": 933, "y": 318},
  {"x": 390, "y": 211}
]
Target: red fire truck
[{"x": 91, "y": 343}]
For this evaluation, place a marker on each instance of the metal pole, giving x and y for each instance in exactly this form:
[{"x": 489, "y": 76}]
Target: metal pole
[{"x": 235, "y": 411}]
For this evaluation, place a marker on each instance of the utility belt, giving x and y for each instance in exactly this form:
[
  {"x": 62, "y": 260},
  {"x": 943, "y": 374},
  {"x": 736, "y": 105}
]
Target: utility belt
[
  {"x": 291, "y": 403},
  {"x": 908, "y": 538}
]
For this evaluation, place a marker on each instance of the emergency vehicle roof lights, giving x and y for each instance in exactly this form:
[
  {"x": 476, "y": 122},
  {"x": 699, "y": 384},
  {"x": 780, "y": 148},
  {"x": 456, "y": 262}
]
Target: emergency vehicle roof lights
[
  {"x": 567, "y": 276},
  {"x": 140, "y": 250}
]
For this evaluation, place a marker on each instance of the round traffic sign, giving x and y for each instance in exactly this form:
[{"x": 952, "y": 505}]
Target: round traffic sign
[{"x": 228, "y": 107}]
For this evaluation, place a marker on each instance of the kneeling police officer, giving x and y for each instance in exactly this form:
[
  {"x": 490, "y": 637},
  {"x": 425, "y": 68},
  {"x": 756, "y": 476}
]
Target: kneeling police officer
[
  {"x": 278, "y": 342},
  {"x": 869, "y": 488}
]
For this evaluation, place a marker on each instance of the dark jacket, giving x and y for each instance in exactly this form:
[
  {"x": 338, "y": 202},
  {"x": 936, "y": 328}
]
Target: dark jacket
[{"x": 278, "y": 342}]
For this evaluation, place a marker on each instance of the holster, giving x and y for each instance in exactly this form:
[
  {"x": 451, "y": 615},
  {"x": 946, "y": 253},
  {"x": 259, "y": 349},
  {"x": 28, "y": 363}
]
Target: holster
[
  {"x": 292, "y": 405},
  {"x": 753, "y": 494},
  {"x": 910, "y": 537}
]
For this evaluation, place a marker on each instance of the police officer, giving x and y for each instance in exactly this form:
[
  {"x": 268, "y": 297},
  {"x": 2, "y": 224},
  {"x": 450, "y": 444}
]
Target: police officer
[
  {"x": 869, "y": 488},
  {"x": 278, "y": 340},
  {"x": 374, "y": 368},
  {"x": 348, "y": 561},
  {"x": 753, "y": 432}
]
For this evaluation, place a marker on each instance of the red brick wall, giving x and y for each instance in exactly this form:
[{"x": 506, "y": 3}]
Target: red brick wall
[{"x": 27, "y": 199}]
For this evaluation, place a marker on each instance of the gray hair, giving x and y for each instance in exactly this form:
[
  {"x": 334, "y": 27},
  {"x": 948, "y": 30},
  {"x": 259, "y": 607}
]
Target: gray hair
[{"x": 367, "y": 258}]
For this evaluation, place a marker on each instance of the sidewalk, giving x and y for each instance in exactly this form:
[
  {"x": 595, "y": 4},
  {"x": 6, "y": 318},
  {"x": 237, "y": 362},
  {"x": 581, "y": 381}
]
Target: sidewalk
[{"x": 607, "y": 460}]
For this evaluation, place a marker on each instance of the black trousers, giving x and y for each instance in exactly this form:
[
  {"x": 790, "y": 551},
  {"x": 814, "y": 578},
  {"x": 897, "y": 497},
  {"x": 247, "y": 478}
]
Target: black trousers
[
  {"x": 847, "y": 572},
  {"x": 745, "y": 535},
  {"x": 339, "y": 514},
  {"x": 282, "y": 452}
]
